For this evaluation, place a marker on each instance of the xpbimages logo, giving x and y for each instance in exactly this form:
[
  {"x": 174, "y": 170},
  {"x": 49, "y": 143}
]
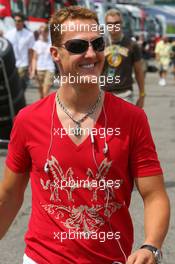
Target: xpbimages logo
[
  {"x": 90, "y": 184},
  {"x": 72, "y": 27},
  {"x": 102, "y": 80},
  {"x": 71, "y": 235},
  {"x": 102, "y": 132}
]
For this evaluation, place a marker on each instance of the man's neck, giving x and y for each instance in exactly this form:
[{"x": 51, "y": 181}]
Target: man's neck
[
  {"x": 117, "y": 38},
  {"x": 19, "y": 29},
  {"x": 79, "y": 99}
]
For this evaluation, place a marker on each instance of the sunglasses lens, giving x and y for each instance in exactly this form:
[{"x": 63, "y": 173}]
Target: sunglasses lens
[
  {"x": 98, "y": 44},
  {"x": 114, "y": 23},
  {"x": 77, "y": 46}
]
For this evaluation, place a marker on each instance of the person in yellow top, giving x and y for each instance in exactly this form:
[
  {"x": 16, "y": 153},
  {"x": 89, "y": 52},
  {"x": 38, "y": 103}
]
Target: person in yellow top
[{"x": 162, "y": 51}]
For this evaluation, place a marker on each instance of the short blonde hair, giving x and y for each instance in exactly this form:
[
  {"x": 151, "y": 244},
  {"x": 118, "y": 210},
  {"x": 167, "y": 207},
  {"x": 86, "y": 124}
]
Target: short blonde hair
[
  {"x": 113, "y": 12},
  {"x": 43, "y": 28},
  {"x": 71, "y": 12}
]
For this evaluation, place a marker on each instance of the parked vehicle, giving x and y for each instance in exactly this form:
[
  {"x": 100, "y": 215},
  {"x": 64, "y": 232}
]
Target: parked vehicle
[
  {"x": 165, "y": 16},
  {"x": 36, "y": 11}
]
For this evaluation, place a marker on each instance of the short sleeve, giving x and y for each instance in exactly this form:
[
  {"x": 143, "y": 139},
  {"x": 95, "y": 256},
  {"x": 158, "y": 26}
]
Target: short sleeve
[
  {"x": 18, "y": 158},
  {"x": 7, "y": 36},
  {"x": 31, "y": 41},
  {"x": 144, "y": 159},
  {"x": 35, "y": 46},
  {"x": 136, "y": 52},
  {"x": 158, "y": 47}
]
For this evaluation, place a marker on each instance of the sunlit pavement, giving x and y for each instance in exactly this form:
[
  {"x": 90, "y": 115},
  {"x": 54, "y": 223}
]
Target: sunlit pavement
[{"x": 160, "y": 109}]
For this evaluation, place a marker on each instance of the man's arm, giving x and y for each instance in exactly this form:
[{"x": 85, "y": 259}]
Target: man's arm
[
  {"x": 157, "y": 51},
  {"x": 31, "y": 42},
  {"x": 157, "y": 57},
  {"x": 156, "y": 216},
  {"x": 12, "y": 189},
  {"x": 30, "y": 54},
  {"x": 33, "y": 64},
  {"x": 139, "y": 75}
]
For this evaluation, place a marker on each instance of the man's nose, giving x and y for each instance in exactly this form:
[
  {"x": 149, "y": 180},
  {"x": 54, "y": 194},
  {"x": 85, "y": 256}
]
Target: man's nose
[{"x": 90, "y": 53}]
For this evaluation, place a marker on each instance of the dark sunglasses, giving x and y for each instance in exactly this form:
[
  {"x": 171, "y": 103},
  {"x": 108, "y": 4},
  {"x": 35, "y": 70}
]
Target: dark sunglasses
[
  {"x": 114, "y": 23},
  {"x": 18, "y": 20},
  {"x": 79, "y": 46}
]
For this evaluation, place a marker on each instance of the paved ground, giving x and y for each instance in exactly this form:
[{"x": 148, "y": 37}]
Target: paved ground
[{"x": 160, "y": 108}]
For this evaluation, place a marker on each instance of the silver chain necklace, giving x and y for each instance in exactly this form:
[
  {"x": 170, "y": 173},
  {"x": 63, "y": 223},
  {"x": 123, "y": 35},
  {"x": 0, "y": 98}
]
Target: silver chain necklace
[{"x": 77, "y": 130}]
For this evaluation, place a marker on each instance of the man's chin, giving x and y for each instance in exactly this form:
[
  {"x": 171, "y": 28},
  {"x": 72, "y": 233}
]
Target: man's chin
[
  {"x": 88, "y": 86},
  {"x": 81, "y": 79},
  {"x": 88, "y": 80}
]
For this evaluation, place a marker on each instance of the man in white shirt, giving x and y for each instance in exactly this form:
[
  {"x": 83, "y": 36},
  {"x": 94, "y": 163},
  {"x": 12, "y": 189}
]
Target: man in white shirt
[
  {"x": 22, "y": 41},
  {"x": 43, "y": 67},
  {"x": 162, "y": 51}
]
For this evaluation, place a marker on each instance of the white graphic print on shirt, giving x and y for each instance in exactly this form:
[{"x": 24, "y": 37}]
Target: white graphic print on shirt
[{"x": 82, "y": 218}]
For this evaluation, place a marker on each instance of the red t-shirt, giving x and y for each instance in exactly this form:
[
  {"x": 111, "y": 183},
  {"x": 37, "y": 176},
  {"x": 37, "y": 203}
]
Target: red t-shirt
[{"x": 100, "y": 213}]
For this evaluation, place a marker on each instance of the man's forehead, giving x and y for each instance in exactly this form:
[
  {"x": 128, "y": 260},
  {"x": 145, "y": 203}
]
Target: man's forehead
[
  {"x": 79, "y": 22},
  {"x": 77, "y": 28},
  {"x": 17, "y": 17},
  {"x": 113, "y": 18}
]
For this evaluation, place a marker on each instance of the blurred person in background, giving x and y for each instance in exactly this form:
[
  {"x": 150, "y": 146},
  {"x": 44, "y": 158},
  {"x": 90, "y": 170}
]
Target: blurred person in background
[
  {"x": 22, "y": 40},
  {"x": 122, "y": 56},
  {"x": 163, "y": 51},
  {"x": 144, "y": 47},
  {"x": 42, "y": 65}
]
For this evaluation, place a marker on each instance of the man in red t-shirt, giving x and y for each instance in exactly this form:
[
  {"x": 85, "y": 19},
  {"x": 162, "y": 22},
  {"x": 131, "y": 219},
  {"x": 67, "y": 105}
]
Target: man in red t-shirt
[{"x": 83, "y": 160}]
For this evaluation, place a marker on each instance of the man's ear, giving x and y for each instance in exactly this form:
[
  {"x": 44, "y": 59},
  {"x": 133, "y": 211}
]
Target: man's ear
[{"x": 54, "y": 53}]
